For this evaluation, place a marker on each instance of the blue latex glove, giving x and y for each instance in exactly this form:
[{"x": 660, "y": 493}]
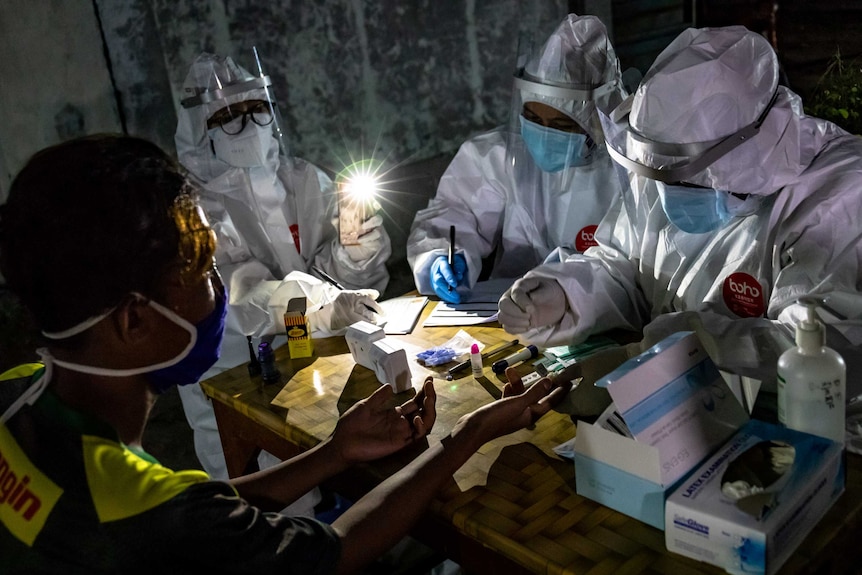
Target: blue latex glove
[
  {"x": 444, "y": 279},
  {"x": 436, "y": 355}
]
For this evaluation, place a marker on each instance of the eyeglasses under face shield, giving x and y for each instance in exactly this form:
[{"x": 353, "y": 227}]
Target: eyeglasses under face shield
[
  {"x": 233, "y": 118},
  {"x": 232, "y": 106},
  {"x": 664, "y": 161}
]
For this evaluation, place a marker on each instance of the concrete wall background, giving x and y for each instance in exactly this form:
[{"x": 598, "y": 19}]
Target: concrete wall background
[
  {"x": 406, "y": 80},
  {"x": 54, "y": 82}
]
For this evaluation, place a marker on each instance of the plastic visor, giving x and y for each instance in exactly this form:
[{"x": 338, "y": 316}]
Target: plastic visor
[
  {"x": 576, "y": 102},
  {"x": 260, "y": 88},
  {"x": 663, "y": 161}
]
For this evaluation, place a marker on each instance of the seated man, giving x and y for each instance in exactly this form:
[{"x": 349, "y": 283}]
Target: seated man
[
  {"x": 739, "y": 205},
  {"x": 272, "y": 214},
  {"x": 104, "y": 242},
  {"x": 540, "y": 184}
]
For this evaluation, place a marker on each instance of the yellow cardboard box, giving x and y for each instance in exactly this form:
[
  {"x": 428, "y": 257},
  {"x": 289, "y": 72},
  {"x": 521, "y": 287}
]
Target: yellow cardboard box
[{"x": 298, "y": 330}]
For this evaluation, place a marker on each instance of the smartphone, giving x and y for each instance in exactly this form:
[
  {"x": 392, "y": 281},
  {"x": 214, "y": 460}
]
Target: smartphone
[{"x": 352, "y": 212}]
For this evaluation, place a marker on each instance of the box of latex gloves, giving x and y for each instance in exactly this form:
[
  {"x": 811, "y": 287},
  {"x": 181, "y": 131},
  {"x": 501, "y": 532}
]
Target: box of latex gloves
[
  {"x": 748, "y": 507},
  {"x": 671, "y": 409}
]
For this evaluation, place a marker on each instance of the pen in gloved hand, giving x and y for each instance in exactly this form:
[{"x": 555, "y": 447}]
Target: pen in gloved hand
[
  {"x": 332, "y": 281},
  {"x": 451, "y": 251}
]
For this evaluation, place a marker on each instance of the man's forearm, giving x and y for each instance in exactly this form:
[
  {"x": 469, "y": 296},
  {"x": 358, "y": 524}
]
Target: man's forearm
[
  {"x": 383, "y": 516},
  {"x": 275, "y": 487}
]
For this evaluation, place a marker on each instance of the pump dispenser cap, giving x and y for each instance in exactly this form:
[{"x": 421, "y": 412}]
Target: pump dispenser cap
[{"x": 810, "y": 335}]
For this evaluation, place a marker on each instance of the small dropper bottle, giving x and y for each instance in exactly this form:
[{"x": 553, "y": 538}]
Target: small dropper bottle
[
  {"x": 266, "y": 357},
  {"x": 476, "y": 360},
  {"x": 812, "y": 381}
]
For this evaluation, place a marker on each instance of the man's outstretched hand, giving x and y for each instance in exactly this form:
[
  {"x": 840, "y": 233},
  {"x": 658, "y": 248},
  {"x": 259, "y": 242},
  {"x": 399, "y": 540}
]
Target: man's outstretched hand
[{"x": 369, "y": 430}]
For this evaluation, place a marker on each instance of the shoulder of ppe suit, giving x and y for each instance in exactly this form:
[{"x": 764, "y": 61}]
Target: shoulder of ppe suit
[
  {"x": 298, "y": 170},
  {"x": 840, "y": 150},
  {"x": 482, "y": 155},
  {"x": 484, "y": 142},
  {"x": 827, "y": 192},
  {"x": 834, "y": 164}
]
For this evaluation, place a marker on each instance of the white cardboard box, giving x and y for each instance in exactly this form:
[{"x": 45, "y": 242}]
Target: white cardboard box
[
  {"x": 748, "y": 507},
  {"x": 678, "y": 409}
]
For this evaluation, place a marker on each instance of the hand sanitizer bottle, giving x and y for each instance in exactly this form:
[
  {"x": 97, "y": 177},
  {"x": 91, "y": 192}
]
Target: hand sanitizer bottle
[{"x": 812, "y": 381}]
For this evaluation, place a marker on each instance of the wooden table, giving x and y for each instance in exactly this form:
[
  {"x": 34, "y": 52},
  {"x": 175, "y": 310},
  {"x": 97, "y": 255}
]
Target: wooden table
[{"x": 512, "y": 508}]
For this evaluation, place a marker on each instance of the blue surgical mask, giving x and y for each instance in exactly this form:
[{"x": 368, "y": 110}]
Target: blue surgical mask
[
  {"x": 694, "y": 210},
  {"x": 553, "y": 150},
  {"x": 202, "y": 356}
]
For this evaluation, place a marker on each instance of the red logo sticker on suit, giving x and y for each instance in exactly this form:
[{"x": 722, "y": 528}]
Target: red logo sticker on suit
[
  {"x": 743, "y": 295},
  {"x": 586, "y": 238},
  {"x": 294, "y": 231}
]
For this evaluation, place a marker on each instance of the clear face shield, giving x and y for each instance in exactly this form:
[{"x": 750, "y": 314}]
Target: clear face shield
[
  {"x": 242, "y": 122},
  {"x": 665, "y": 161},
  {"x": 551, "y": 124}
]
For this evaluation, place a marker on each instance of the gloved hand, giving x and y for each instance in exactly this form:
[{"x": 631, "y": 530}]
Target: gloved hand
[
  {"x": 531, "y": 302},
  {"x": 444, "y": 279},
  {"x": 370, "y": 239},
  {"x": 351, "y": 306}
]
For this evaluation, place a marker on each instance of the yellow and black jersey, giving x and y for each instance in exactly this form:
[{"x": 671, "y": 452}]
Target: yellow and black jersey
[{"x": 74, "y": 499}]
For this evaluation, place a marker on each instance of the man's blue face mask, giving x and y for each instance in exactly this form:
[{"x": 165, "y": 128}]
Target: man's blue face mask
[
  {"x": 201, "y": 357},
  {"x": 553, "y": 150},
  {"x": 694, "y": 210},
  {"x": 200, "y": 354}
]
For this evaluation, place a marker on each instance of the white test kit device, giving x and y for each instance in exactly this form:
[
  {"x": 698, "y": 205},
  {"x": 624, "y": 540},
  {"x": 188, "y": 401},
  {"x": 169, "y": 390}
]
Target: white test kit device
[{"x": 370, "y": 348}]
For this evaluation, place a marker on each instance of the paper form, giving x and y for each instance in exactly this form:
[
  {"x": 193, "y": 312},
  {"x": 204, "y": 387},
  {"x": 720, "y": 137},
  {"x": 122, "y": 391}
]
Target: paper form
[
  {"x": 402, "y": 313},
  {"x": 481, "y": 307}
]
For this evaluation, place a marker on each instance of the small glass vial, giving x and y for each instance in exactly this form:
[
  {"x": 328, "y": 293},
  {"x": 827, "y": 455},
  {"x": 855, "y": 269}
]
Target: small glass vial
[
  {"x": 476, "y": 360},
  {"x": 266, "y": 357}
]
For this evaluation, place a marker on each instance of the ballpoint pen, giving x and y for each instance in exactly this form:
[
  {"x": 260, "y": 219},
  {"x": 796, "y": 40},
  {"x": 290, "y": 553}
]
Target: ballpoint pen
[
  {"x": 485, "y": 355},
  {"x": 451, "y": 252},
  {"x": 332, "y": 281},
  {"x": 326, "y": 277}
]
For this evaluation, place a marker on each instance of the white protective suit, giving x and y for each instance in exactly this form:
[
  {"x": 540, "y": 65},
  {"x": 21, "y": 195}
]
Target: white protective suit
[
  {"x": 796, "y": 233},
  {"x": 273, "y": 219},
  {"x": 494, "y": 193}
]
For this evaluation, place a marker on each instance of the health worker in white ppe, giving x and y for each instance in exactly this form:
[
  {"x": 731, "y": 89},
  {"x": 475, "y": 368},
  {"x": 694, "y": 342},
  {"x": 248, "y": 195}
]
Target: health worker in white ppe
[
  {"x": 542, "y": 182},
  {"x": 273, "y": 216},
  {"x": 739, "y": 205}
]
